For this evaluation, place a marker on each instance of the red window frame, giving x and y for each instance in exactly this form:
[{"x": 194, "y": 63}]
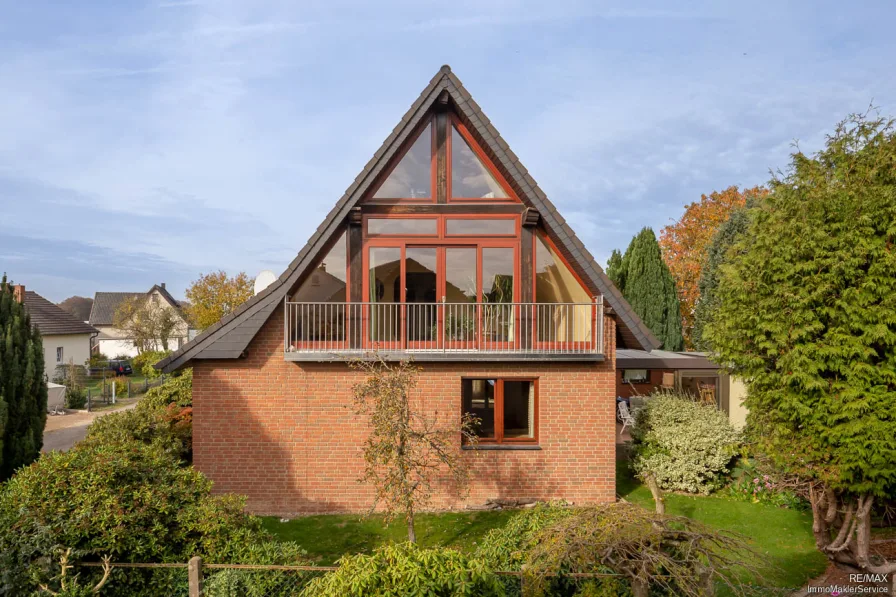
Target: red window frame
[
  {"x": 594, "y": 312},
  {"x": 406, "y": 146},
  {"x": 335, "y": 344},
  {"x": 442, "y": 227},
  {"x": 453, "y": 120},
  {"x": 499, "y": 411},
  {"x": 402, "y": 244}
]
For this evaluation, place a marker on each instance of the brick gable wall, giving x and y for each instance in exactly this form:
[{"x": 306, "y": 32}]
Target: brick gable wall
[{"x": 283, "y": 433}]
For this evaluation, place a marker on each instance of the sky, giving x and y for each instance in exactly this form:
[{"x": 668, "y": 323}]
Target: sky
[{"x": 148, "y": 142}]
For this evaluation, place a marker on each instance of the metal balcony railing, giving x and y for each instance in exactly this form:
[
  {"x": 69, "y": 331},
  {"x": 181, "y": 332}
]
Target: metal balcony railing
[{"x": 443, "y": 328}]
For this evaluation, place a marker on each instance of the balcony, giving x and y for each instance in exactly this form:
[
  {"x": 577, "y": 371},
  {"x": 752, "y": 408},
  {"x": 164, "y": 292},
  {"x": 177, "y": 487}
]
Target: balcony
[{"x": 445, "y": 331}]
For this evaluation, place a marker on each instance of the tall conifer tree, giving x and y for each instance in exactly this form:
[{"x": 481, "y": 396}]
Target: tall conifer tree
[
  {"x": 23, "y": 387},
  {"x": 646, "y": 283}
]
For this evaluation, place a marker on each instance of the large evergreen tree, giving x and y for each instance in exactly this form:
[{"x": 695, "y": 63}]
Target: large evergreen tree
[
  {"x": 23, "y": 387},
  {"x": 716, "y": 255},
  {"x": 644, "y": 280},
  {"x": 807, "y": 315},
  {"x": 616, "y": 269}
]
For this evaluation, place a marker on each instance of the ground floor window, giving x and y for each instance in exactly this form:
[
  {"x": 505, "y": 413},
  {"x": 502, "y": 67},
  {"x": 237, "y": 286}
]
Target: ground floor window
[{"x": 507, "y": 408}]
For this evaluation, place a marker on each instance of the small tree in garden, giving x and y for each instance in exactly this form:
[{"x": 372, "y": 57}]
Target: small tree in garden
[
  {"x": 150, "y": 324},
  {"x": 407, "y": 448},
  {"x": 807, "y": 315}
]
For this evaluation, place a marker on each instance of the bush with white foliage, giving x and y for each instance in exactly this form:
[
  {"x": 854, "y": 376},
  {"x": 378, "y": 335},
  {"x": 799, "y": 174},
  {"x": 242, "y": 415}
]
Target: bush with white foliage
[{"x": 685, "y": 444}]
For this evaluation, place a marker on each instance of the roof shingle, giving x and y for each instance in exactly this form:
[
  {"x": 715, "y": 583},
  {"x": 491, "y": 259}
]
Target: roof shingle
[{"x": 51, "y": 320}]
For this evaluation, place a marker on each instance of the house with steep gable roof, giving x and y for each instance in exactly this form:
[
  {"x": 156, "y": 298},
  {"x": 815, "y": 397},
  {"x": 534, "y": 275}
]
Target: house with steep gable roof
[
  {"x": 113, "y": 341},
  {"x": 66, "y": 340},
  {"x": 444, "y": 250}
]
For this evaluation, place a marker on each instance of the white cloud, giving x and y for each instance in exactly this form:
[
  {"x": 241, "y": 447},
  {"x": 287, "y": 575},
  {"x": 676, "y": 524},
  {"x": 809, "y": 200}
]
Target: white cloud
[{"x": 247, "y": 120}]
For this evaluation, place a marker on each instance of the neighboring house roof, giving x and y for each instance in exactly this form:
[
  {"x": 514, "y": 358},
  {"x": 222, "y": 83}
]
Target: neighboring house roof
[
  {"x": 230, "y": 337},
  {"x": 51, "y": 320},
  {"x": 105, "y": 304},
  {"x": 662, "y": 359}
]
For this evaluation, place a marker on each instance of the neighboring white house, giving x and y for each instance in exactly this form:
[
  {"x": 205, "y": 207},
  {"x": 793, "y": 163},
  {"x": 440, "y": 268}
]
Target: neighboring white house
[
  {"x": 65, "y": 339},
  {"x": 114, "y": 342}
]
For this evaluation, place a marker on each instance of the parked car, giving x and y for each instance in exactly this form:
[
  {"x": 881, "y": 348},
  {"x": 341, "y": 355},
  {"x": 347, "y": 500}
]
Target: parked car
[{"x": 121, "y": 367}]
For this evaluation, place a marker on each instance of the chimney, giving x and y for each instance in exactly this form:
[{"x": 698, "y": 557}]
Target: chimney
[
  {"x": 162, "y": 286},
  {"x": 18, "y": 292}
]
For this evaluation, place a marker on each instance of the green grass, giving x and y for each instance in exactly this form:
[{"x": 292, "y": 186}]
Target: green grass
[
  {"x": 326, "y": 538},
  {"x": 96, "y": 384},
  {"x": 783, "y": 536}
]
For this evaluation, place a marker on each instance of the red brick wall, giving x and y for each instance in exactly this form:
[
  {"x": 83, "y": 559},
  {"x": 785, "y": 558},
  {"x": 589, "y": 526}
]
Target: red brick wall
[
  {"x": 655, "y": 381},
  {"x": 283, "y": 433}
]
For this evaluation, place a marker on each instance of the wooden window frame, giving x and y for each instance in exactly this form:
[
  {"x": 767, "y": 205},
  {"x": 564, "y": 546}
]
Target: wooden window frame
[
  {"x": 402, "y": 244},
  {"x": 344, "y": 343},
  {"x": 478, "y": 217},
  {"x": 594, "y": 311},
  {"x": 402, "y": 151},
  {"x": 499, "y": 438},
  {"x": 452, "y": 120},
  {"x": 442, "y": 235},
  {"x": 511, "y": 197},
  {"x": 437, "y": 234}
]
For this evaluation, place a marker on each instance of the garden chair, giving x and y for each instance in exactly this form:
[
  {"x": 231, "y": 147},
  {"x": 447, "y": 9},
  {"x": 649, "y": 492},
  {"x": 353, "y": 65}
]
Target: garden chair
[{"x": 625, "y": 416}]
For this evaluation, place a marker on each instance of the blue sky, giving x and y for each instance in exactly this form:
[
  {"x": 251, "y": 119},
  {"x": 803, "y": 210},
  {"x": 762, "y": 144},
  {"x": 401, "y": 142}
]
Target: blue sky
[{"x": 150, "y": 142}]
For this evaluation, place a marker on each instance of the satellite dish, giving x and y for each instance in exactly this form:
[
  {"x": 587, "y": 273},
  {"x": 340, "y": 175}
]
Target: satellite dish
[{"x": 264, "y": 279}]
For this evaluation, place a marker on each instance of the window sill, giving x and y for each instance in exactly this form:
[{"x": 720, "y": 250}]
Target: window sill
[{"x": 500, "y": 447}]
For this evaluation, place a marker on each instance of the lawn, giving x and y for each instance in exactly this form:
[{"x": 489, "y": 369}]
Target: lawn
[
  {"x": 783, "y": 536},
  {"x": 326, "y": 538},
  {"x": 95, "y": 384}
]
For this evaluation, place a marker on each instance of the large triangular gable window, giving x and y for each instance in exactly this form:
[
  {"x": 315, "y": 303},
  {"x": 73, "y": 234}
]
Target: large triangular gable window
[
  {"x": 470, "y": 178},
  {"x": 442, "y": 163},
  {"x": 412, "y": 176}
]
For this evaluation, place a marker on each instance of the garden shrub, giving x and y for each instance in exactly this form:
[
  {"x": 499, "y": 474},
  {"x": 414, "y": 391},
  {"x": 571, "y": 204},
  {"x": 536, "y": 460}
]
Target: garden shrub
[
  {"x": 163, "y": 418},
  {"x": 130, "y": 501},
  {"x": 98, "y": 360},
  {"x": 143, "y": 362},
  {"x": 75, "y": 397},
  {"x": 120, "y": 385},
  {"x": 687, "y": 446},
  {"x": 407, "y": 569},
  {"x": 659, "y": 554},
  {"x": 167, "y": 428},
  {"x": 509, "y": 548},
  {"x": 174, "y": 390}
]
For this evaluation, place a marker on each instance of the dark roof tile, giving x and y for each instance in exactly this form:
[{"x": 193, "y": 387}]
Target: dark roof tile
[{"x": 52, "y": 320}]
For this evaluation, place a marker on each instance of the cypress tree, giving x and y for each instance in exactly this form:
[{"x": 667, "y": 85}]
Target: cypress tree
[
  {"x": 23, "y": 387},
  {"x": 646, "y": 283},
  {"x": 616, "y": 270}
]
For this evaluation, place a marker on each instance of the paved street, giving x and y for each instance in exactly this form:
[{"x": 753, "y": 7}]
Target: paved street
[{"x": 64, "y": 431}]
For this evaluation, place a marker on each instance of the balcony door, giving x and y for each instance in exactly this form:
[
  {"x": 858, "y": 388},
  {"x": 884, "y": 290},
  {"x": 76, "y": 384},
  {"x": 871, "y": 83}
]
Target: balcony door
[{"x": 423, "y": 296}]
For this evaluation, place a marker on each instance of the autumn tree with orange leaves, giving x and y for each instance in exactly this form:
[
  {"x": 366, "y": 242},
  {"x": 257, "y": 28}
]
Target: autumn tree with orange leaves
[{"x": 684, "y": 244}]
